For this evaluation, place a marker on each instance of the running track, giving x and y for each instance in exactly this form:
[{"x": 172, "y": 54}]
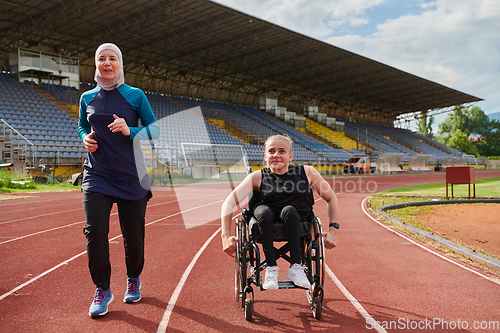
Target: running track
[{"x": 188, "y": 282}]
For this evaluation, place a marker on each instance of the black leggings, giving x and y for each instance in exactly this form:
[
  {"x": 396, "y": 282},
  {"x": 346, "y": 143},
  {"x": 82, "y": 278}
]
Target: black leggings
[
  {"x": 97, "y": 208},
  {"x": 266, "y": 218}
]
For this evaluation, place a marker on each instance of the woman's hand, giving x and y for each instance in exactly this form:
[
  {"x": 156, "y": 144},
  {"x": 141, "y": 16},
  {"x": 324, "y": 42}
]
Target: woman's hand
[
  {"x": 330, "y": 238},
  {"x": 89, "y": 142},
  {"x": 119, "y": 125},
  {"x": 229, "y": 245}
]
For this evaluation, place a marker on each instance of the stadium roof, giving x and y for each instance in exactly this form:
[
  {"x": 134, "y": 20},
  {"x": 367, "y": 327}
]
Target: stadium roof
[{"x": 201, "y": 49}]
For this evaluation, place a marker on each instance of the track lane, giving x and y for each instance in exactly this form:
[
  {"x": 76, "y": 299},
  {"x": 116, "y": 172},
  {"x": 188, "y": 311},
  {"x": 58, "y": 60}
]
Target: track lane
[
  {"x": 170, "y": 247},
  {"x": 376, "y": 291},
  {"x": 158, "y": 239}
]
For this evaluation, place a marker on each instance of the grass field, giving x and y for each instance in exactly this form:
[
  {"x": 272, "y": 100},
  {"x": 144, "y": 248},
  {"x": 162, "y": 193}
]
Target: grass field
[
  {"x": 489, "y": 187},
  {"x": 11, "y": 183}
]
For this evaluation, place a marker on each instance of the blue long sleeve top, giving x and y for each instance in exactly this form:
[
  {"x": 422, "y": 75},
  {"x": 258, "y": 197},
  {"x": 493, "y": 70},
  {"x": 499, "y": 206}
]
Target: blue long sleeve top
[{"x": 117, "y": 168}]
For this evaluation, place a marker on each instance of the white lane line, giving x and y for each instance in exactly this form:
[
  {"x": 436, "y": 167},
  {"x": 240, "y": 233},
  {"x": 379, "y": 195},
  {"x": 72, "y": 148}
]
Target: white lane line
[
  {"x": 423, "y": 247},
  {"x": 370, "y": 322},
  {"x": 173, "y": 299},
  {"x": 80, "y": 208},
  {"x": 79, "y": 255},
  {"x": 37, "y": 216},
  {"x": 39, "y": 232},
  {"x": 40, "y": 275},
  {"x": 69, "y": 225}
]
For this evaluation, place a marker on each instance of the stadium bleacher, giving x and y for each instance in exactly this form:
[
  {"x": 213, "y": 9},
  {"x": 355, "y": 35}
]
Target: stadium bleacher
[
  {"x": 397, "y": 140},
  {"x": 39, "y": 124},
  {"x": 42, "y": 125}
]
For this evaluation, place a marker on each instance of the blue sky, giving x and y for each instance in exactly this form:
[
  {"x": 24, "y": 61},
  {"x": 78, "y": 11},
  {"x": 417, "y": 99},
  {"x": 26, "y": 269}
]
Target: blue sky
[{"x": 453, "y": 42}]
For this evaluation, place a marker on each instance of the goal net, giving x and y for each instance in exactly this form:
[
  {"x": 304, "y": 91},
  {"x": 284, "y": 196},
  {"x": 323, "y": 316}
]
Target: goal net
[
  {"x": 192, "y": 160},
  {"x": 214, "y": 160}
]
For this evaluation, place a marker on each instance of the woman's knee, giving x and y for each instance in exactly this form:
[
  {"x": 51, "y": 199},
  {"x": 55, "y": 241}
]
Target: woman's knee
[
  {"x": 289, "y": 213},
  {"x": 264, "y": 214},
  {"x": 96, "y": 230}
]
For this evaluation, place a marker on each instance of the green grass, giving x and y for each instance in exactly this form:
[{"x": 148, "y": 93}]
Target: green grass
[
  {"x": 12, "y": 183},
  {"x": 489, "y": 187}
]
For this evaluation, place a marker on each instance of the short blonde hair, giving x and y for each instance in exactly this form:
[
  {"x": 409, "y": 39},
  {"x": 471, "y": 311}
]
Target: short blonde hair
[{"x": 278, "y": 137}]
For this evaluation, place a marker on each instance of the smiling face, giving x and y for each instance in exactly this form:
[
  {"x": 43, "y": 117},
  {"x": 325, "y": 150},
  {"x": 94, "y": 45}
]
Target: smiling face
[
  {"x": 108, "y": 64},
  {"x": 278, "y": 154}
]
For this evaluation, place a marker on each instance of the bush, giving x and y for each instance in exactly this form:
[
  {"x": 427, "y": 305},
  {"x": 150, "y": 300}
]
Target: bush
[{"x": 6, "y": 182}]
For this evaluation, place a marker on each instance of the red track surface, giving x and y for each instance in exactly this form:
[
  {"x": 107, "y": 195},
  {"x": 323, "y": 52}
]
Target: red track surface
[{"x": 46, "y": 286}]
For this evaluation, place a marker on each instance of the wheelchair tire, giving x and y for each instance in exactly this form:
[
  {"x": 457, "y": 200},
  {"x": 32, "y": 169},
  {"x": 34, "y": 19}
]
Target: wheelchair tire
[
  {"x": 243, "y": 276},
  {"x": 237, "y": 281},
  {"x": 318, "y": 261},
  {"x": 248, "y": 309},
  {"x": 241, "y": 265},
  {"x": 317, "y": 308}
]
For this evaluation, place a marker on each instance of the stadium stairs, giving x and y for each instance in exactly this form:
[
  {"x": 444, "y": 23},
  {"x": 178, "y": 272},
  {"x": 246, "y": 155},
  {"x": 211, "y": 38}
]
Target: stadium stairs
[
  {"x": 61, "y": 104},
  {"x": 330, "y": 137}
]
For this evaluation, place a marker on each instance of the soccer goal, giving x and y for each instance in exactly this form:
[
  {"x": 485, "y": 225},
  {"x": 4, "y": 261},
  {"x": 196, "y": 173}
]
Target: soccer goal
[{"x": 215, "y": 160}]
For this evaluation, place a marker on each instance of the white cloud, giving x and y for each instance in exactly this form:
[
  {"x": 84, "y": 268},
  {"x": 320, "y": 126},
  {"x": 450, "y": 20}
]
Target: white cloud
[
  {"x": 318, "y": 19},
  {"x": 453, "y": 42}
]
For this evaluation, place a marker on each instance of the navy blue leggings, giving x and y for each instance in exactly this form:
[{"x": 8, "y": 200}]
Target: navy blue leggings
[{"x": 266, "y": 217}]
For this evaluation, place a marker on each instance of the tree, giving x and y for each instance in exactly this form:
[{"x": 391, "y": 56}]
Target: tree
[
  {"x": 480, "y": 124},
  {"x": 463, "y": 122},
  {"x": 460, "y": 141},
  {"x": 425, "y": 127},
  {"x": 490, "y": 143}
]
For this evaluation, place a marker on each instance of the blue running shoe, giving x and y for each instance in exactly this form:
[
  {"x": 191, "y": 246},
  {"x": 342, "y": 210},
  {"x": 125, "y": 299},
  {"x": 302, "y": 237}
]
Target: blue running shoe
[
  {"x": 133, "y": 293},
  {"x": 101, "y": 301}
]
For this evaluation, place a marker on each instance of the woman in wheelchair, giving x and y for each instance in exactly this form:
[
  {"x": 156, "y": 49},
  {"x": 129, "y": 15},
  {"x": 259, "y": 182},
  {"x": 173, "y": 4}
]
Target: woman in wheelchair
[{"x": 285, "y": 197}]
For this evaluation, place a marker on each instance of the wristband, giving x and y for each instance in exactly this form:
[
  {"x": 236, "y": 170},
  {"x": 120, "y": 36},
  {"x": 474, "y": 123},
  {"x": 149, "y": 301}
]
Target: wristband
[{"x": 334, "y": 224}]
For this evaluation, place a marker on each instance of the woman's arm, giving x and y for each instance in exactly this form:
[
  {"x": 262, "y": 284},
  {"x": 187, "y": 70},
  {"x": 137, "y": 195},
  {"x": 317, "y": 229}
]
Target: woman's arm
[
  {"x": 84, "y": 129},
  {"x": 140, "y": 103},
  {"x": 325, "y": 191},
  {"x": 242, "y": 191},
  {"x": 150, "y": 129}
]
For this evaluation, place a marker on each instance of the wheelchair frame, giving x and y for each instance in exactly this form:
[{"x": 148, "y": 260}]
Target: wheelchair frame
[{"x": 248, "y": 265}]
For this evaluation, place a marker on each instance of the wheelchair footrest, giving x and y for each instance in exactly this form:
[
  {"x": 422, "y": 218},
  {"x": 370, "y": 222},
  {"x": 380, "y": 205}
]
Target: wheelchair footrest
[{"x": 286, "y": 285}]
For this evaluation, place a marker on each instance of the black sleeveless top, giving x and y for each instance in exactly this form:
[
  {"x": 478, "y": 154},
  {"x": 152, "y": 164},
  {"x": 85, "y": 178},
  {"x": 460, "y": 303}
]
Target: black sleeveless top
[{"x": 290, "y": 188}]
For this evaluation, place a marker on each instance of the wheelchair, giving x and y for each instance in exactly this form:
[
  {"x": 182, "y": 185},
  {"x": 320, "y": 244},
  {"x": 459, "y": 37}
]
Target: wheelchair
[{"x": 248, "y": 265}]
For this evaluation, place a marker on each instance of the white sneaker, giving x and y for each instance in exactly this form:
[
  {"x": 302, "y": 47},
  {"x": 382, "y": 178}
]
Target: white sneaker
[
  {"x": 298, "y": 276},
  {"x": 271, "y": 280}
]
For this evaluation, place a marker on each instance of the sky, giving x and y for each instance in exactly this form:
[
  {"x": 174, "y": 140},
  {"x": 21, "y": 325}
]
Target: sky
[{"x": 455, "y": 43}]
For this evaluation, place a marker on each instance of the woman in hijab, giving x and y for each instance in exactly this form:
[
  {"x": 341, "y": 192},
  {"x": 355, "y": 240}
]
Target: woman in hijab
[{"x": 114, "y": 171}]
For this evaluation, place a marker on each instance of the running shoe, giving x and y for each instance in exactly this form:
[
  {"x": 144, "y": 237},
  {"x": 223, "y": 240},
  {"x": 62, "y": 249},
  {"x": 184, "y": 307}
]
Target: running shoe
[
  {"x": 133, "y": 293},
  {"x": 102, "y": 299}
]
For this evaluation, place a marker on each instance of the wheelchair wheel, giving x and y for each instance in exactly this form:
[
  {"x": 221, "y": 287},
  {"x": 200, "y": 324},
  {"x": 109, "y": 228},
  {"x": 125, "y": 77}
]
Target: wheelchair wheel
[
  {"x": 237, "y": 283},
  {"x": 318, "y": 261},
  {"x": 248, "y": 309},
  {"x": 317, "y": 308},
  {"x": 237, "y": 280},
  {"x": 241, "y": 265}
]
